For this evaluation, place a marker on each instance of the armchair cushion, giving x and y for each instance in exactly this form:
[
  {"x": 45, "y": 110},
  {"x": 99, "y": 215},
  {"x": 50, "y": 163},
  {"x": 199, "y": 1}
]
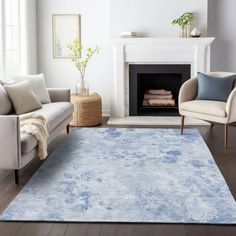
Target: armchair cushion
[
  {"x": 213, "y": 108},
  {"x": 214, "y": 88}
]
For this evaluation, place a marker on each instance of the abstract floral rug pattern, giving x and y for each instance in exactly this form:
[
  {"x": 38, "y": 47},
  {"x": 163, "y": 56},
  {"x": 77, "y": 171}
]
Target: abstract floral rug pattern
[{"x": 127, "y": 175}]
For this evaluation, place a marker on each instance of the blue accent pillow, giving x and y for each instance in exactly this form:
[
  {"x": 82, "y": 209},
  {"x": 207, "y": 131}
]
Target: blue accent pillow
[{"x": 214, "y": 88}]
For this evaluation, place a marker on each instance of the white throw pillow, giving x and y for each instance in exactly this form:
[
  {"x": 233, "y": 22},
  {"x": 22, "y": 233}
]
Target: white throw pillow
[
  {"x": 38, "y": 84},
  {"x": 23, "y": 97}
]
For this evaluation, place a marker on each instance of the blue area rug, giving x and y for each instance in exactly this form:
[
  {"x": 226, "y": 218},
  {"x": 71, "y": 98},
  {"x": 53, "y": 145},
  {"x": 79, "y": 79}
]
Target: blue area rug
[{"x": 127, "y": 175}]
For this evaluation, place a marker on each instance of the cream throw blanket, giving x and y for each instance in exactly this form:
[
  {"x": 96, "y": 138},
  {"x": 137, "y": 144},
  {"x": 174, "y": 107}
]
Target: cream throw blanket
[{"x": 36, "y": 125}]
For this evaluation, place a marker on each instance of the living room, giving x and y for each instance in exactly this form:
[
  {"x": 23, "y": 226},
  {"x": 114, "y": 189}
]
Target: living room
[{"x": 117, "y": 117}]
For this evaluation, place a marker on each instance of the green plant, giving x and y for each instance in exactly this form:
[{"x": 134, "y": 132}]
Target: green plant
[
  {"x": 76, "y": 56},
  {"x": 183, "y": 20}
]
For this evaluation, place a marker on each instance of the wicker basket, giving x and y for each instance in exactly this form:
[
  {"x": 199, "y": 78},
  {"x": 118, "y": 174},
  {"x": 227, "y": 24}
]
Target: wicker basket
[{"x": 87, "y": 110}]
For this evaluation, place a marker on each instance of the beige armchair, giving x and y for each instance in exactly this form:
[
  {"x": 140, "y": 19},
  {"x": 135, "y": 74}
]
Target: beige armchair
[{"x": 211, "y": 111}]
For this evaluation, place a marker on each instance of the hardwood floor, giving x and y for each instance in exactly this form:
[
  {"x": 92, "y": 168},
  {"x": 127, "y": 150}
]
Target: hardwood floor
[{"x": 225, "y": 159}]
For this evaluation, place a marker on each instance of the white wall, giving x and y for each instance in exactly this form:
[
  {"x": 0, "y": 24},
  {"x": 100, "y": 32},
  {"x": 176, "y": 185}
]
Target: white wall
[
  {"x": 152, "y": 18},
  {"x": 222, "y": 26},
  {"x": 95, "y": 22}
]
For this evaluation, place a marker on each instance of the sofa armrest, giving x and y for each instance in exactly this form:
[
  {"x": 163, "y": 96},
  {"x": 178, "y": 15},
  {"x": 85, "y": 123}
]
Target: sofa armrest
[
  {"x": 188, "y": 90},
  {"x": 59, "y": 94},
  {"x": 10, "y": 146},
  {"x": 231, "y": 107}
]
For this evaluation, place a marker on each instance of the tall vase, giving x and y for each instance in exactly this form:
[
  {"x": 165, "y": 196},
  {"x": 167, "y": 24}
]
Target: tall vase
[
  {"x": 82, "y": 88},
  {"x": 184, "y": 31},
  {"x": 189, "y": 29}
]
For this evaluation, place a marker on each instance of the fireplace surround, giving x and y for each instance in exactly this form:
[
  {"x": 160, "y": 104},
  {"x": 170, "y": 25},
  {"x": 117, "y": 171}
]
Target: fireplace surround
[{"x": 194, "y": 52}]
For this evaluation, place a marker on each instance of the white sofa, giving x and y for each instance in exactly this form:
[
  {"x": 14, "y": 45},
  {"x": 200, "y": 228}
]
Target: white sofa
[{"x": 16, "y": 150}]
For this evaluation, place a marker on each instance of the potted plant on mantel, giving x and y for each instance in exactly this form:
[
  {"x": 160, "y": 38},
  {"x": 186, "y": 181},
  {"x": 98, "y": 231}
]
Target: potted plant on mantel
[
  {"x": 82, "y": 88},
  {"x": 184, "y": 23}
]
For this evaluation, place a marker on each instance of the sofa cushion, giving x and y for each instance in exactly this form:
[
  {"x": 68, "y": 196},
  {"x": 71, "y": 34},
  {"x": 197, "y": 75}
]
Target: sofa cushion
[
  {"x": 38, "y": 84},
  {"x": 213, "y": 108},
  {"x": 5, "y": 103},
  {"x": 214, "y": 88},
  {"x": 23, "y": 97},
  {"x": 54, "y": 113},
  {"x": 28, "y": 142}
]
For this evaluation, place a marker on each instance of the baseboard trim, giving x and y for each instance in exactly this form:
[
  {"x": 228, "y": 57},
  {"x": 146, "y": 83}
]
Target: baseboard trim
[{"x": 155, "y": 120}]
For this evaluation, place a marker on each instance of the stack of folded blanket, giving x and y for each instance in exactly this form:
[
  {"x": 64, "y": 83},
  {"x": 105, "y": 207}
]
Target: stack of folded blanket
[{"x": 158, "y": 97}]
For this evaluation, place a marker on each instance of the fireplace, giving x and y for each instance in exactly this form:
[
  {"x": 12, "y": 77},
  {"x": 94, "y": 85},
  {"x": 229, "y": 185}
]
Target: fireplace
[
  {"x": 154, "y": 89},
  {"x": 158, "y": 59}
]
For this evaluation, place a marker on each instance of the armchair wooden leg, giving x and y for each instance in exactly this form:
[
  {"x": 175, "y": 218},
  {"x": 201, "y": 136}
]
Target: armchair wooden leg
[
  {"x": 212, "y": 126},
  {"x": 68, "y": 129},
  {"x": 226, "y": 135},
  {"x": 182, "y": 124},
  {"x": 16, "y": 175}
]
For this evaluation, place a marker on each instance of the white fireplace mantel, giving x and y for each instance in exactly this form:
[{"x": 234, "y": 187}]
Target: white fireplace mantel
[{"x": 126, "y": 51}]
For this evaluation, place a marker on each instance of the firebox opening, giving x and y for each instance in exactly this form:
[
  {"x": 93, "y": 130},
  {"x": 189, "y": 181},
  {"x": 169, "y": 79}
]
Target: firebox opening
[{"x": 154, "y": 89}]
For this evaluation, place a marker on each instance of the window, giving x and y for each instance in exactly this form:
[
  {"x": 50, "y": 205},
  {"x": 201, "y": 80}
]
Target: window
[{"x": 10, "y": 40}]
